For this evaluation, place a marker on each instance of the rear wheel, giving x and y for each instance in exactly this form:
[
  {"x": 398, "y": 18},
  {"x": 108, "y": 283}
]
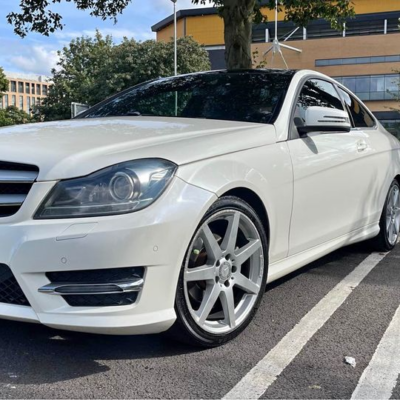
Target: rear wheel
[
  {"x": 390, "y": 220},
  {"x": 223, "y": 276}
]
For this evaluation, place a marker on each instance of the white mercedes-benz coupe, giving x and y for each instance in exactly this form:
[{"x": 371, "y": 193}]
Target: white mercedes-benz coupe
[{"x": 169, "y": 206}]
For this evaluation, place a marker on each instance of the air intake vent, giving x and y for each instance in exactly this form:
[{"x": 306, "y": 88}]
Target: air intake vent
[
  {"x": 16, "y": 181},
  {"x": 10, "y": 291},
  {"x": 96, "y": 288},
  {"x": 92, "y": 276},
  {"x": 102, "y": 300}
]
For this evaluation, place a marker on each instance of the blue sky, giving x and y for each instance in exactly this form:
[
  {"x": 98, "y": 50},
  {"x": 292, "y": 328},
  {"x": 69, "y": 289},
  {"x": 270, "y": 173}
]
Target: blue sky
[{"x": 38, "y": 54}]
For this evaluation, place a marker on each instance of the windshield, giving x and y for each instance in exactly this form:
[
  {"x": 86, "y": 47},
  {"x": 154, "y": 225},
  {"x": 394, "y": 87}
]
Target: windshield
[{"x": 234, "y": 96}]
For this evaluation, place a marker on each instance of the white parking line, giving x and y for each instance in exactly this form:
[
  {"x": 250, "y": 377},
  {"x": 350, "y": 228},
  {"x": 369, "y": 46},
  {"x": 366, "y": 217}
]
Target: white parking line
[
  {"x": 261, "y": 377},
  {"x": 379, "y": 378}
]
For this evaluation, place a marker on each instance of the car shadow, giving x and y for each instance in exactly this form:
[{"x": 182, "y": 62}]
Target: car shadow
[{"x": 35, "y": 354}]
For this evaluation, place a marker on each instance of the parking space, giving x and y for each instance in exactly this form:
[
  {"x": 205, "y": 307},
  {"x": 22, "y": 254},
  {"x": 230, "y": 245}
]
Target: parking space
[{"x": 37, "y": 362}]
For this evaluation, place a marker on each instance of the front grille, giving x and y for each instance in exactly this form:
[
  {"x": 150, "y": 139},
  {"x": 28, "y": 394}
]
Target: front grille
[
  {"x": 15, "y": 188},
  {"x": 10, "y": 291},
  {"x": 98, "y": 276},
  {"x": 10, "y": 166},
  {"x": 16, "y": 181}
]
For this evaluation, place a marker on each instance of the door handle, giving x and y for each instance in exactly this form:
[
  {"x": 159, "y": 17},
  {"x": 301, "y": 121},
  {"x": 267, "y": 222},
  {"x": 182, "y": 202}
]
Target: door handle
[{"x": 362, "y": 146}]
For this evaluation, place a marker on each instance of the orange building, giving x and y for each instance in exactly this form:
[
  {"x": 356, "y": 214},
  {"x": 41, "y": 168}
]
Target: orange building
[{"x": 364, "y": 57}]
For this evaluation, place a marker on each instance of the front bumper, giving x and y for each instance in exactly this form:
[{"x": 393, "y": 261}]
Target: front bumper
[{"x": 155, "y": 238}]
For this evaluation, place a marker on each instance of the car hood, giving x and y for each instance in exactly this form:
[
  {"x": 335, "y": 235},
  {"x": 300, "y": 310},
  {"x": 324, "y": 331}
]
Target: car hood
[{"x": 67, "y": 149}]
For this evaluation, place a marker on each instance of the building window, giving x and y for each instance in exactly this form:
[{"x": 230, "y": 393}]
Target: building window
[
  {"x": 44, "y": 88},
  {"x": 20, "y": 87},
  {"x": 1, "y": 103},
  {"x": 27, "y": 88},
  {"x": 363, "y": 85},
  {"x": 33, "y": 88},
  {"x": 359, "y": 60},
  {"x": 5, "y": 100},
  {"x": 38, "y": 101},
  {"x": 393, "y": 126},
  {"x": 38, "y": 90},
  {"x": 377, "y": 83},
  {"x": 33, "y": 102},
  {"x": 21, "y": 102},
  {"x": 14, "y": 100},
  {"x": 373, "y": 87},
  {"x": 368, "y": 24},
  {"x": 28, "y": 104},
  {"x": 13, "y": 86}
]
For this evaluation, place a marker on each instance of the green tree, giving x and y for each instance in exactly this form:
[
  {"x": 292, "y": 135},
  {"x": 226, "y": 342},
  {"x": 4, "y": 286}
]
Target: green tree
[
  {"x": 92, "y": 69},
  {"x": 13, "y": 116},
  {"x": 238, "y": 16},
  {"x": 81, "y": 65},
  {"x": 3, "y": 83}
]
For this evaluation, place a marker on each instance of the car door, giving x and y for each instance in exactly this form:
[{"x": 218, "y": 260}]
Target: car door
[
  {"x": 374, "y": 157},
  {"x": 329, "y": 181}
]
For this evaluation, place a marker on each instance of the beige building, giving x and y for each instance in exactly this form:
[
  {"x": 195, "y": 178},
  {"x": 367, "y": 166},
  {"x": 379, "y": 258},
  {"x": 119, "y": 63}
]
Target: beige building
[{"x": 25, "y": 91}]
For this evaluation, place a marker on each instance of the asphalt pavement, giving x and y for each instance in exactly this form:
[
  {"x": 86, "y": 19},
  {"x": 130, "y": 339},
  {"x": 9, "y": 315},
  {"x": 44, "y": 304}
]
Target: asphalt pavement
[{"x": 38, "y": 362}]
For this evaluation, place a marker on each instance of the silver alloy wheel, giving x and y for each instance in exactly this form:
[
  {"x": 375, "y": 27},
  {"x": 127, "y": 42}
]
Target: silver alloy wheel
[
  {"x": 393, "y": 215},
  {"x": 223, "y": 273}
]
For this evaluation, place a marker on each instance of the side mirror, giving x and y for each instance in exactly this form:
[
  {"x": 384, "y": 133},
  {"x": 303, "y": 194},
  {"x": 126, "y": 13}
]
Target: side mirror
[{"x": 324, "y": 120}]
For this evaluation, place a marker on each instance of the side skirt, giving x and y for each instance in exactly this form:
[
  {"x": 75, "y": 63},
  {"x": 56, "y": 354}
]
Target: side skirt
[{"x": 287, "y": 265}]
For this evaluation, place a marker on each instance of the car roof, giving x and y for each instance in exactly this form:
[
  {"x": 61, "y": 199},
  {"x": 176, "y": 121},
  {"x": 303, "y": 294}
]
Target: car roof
[{"x": 266, "y": 71}]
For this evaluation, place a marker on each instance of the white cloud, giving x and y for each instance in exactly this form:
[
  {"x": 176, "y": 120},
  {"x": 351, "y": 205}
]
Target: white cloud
[
  {"x": 160, "y": 8},
  {"x": 167, "y": 6},
  {"x": 35, "y": 59},
  {"x": 183, "y": 4},
  {"x": 116, "y": 33}
]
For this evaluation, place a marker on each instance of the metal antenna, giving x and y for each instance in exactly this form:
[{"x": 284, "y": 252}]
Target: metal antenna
[{"x": 276, "y": 45}]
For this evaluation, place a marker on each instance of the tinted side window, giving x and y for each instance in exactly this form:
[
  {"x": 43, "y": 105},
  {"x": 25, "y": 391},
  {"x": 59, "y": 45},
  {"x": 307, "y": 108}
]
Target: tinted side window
[
  {"x": 360, "y": 116},
  {"x": 318, "y": 93}
]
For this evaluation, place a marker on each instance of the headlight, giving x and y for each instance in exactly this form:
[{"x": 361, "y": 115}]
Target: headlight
[{"x": 122, "y": 188}]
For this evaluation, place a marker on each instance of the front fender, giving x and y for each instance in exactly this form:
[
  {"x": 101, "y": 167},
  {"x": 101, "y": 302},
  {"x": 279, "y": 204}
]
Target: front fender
[{"x": 266, "y": 170}]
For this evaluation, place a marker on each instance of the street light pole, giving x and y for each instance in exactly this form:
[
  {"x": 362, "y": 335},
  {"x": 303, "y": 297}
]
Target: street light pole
[
  {"x": 175, "y": 56},
  {"x": 175, "y": 41}
]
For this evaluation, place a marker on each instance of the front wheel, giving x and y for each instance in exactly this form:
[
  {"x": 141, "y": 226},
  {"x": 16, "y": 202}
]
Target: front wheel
[
  {"x": 390, "y": 220},
  {"x": 223, "y": 276}
]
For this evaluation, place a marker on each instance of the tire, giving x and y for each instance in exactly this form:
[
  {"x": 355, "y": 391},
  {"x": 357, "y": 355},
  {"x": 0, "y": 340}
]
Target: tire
[
  {"x": 215, "y": 304},
  {"x": 390, "y": 221}
]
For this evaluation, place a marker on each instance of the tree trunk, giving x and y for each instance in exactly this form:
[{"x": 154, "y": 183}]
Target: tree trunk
[{"x": 238, "y": 21}]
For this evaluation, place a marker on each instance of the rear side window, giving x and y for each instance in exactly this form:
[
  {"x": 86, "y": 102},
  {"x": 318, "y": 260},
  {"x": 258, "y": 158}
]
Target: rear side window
[{"x": 360, "y": 116}]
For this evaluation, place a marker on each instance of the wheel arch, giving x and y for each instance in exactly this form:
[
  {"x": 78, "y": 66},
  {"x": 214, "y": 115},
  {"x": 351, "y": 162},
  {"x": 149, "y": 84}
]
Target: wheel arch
[
  {"x": 260, "y": 176},
  {"x": 252, "y": 198}
]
